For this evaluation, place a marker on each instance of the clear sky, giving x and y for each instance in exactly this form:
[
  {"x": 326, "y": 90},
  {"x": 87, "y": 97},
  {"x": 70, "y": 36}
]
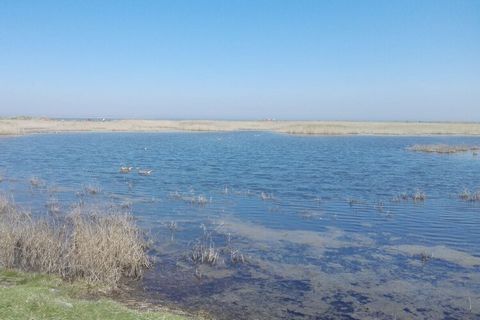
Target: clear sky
[{"x": 240, "y": 59}]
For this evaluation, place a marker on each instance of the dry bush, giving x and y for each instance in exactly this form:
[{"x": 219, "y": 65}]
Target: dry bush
[
  {"x": 106, "y": 247},
  {"x": 89, "y": 244}
]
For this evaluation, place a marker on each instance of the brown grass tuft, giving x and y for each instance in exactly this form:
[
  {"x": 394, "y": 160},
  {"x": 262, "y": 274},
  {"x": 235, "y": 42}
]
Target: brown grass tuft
[
  {"x": 90, "y": 244},
  {"x": 466, "y": 195}
]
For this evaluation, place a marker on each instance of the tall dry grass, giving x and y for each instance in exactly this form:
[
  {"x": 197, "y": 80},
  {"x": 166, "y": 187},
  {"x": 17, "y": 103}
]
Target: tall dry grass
[
  {"x": 442, "y": 148},
  {"x": 99, "y": 247}
]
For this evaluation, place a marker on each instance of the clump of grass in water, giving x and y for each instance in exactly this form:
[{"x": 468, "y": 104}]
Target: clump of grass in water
[
  {"x": 204, "y": 251},
  {"x": 53, "y": 206},
  {"x": 92, "y": 189},
  {"x": 266, "y": 196},
  {"x": 466, "y": 195},
  {"x": 352, "y": 202},
  {"x": 173, "y": 227},
  {"x": 35, "y": 182},
  {"x": 425, "y": 257},
  {"x": 236, "y": 257},
  {"x": 192, "y": 199},
  {"x": 419, "y": 196},
  {"x": 401, "y": 197},
  {"x": 443, "y": 148},
  {"x": 99, "y": 247}
]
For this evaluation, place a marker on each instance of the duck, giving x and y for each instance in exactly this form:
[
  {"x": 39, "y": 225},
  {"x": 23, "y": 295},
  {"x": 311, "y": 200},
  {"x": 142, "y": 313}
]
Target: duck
[
  {"x": 125, "y": 169},
  {"x": 144, "y": 172}
]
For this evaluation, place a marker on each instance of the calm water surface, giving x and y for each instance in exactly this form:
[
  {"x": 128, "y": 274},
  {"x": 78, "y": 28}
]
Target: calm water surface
[{"x": 319, "y": 221}]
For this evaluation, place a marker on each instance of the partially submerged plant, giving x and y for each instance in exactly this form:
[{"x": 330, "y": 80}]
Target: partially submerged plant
[
  {"x": 403, "y": 196},
  {"x": 92, "y": 189},
  {"x": 173, "y": 227},
  {"x": 266, "y": 196},
  {"x": 236, "y": 257},
  {"x": 466, "y": 195},
  {"x": 192, "y": 199},
  {"x": 425, "y": 257},
  {"x": 352, "y": 202},
  {"x": 380, "y": 206},
  {"x": 204, "y": 251},
  {"x": 419, "y": 196},
  {"x": 35, "y": 182},
  {"x": 53, "y": 206}
]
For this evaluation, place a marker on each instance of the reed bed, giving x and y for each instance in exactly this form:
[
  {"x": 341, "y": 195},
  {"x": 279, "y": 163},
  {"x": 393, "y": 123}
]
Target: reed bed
[
  {"x": 93, "y": 245},
  {"x": 468, "y": 195},
  {"x": 443, "y": 148}
]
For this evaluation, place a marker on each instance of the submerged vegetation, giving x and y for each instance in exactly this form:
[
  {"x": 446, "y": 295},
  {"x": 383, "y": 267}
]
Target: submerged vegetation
[
  {"x": 443, "y": 148},
  {"x": 96, "y": 246}
]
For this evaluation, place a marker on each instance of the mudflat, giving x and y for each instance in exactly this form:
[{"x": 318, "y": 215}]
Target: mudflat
[{"x": 41, "y": 125}]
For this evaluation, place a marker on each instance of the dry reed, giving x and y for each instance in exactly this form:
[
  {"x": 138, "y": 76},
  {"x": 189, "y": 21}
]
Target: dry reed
[
  {"x": 467, "y": 195},
  {"x": 443, "y": 148},
  {"x": 90, "y": 244}
]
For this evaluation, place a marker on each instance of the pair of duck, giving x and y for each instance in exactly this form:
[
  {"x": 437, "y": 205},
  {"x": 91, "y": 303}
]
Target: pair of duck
[{"x": 140, "y": 171}]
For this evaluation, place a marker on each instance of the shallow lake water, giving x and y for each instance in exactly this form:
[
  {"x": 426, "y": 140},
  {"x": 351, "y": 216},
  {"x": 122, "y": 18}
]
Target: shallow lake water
[{"x": 304, "y": 227}]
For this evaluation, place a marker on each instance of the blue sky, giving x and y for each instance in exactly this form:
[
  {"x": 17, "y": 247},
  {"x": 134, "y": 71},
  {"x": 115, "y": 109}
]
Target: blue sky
[{"x": 240, "y": 59}]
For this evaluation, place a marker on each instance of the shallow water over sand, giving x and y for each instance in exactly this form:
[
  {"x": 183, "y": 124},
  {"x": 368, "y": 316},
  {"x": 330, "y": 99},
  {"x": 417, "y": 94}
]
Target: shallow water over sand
[{"x": 319, "y": 222}]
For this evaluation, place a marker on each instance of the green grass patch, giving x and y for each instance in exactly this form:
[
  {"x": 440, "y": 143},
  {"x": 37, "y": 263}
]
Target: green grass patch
[{"x": 34, "y": 297}]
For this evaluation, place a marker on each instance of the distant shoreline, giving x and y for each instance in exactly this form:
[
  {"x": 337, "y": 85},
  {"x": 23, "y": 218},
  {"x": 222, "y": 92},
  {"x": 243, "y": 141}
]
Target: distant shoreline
[{"x": 24, "y": 126}]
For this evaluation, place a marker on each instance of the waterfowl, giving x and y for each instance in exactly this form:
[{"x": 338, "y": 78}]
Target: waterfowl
[
  {"x": 144, "y": 172},
  {"x": 125, "y": 169}
]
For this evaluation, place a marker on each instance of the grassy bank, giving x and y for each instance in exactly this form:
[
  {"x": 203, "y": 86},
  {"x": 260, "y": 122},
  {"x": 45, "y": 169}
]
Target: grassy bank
[
  {"x": 34, "y": 297},
  {"x": 19, "y": 126}
]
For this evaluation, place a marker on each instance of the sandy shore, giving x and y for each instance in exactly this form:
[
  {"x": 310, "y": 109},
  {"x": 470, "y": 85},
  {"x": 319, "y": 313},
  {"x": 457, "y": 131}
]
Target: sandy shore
[{"x": 29, "y": 126}]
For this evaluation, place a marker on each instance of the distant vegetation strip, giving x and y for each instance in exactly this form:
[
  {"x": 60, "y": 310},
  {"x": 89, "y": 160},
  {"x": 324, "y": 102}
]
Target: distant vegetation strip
[
  {"x": 25, "y": 125},
  {"x": 444, "y": 148}
]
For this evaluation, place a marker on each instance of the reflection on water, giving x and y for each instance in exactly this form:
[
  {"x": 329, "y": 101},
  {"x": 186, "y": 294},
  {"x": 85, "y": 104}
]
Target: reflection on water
[{"x": 258, "y": 225}]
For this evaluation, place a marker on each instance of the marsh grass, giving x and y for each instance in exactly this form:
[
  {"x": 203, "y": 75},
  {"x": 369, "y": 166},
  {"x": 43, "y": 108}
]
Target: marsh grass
[
  {"x": 266, "y": 196},
  {"x": 172, "y": 227},
  {"x": 200, "y": 200},
  {"x": 203, "y": 250},
  {"x": 419, "y": 196},
  {"x": 443, "y": 148},
  {"x": 92, "y": 189},
  {"x": 97, "y": 246},
  {"x": 425, "y": 257},
  {"x": 35, "y": 182},
  {"x": 403, "y": 196},
  {"x": 53, "y": 206},
  {"x": 467, "y": 195}
]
